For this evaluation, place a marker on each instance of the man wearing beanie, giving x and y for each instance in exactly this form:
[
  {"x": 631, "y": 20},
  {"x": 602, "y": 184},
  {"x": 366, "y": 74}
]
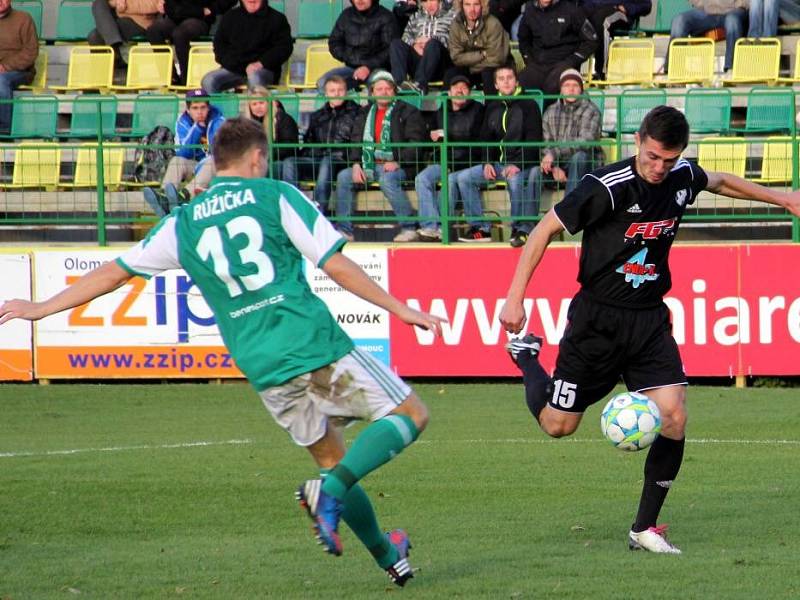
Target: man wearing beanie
[
  {"x": 572, "y": 119},
  {"x": 383, "y": 123}
]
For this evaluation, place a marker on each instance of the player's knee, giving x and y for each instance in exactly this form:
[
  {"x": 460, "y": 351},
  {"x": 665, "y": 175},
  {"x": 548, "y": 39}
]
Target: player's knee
[
  {"x": 673, "y": 420},
  {"x": 416, "y": 410},
  {"x": 556, "y": 427}
]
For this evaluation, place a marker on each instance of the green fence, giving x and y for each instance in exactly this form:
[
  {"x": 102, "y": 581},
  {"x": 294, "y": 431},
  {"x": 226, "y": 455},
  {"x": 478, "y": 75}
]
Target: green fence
[{"x": 54, "y": 175}]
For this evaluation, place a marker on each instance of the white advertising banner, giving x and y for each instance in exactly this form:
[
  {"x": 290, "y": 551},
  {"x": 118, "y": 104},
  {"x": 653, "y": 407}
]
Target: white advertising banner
[{"x": 16, "y": 340}]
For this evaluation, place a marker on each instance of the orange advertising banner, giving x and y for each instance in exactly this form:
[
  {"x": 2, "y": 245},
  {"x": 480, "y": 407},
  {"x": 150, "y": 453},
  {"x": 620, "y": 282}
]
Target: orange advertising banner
[
  {"x": 15, "y": 365},
  {"x": 182, "y": 361}
]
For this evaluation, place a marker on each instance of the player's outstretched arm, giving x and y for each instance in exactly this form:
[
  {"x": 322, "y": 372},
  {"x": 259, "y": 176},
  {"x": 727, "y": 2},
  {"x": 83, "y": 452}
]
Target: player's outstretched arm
[
  {"x": 512, "y": 317},
  {"x": 101, "y": 280},
  {"x": 352, "y": 278},
  {"x": 734, "y": 186}
]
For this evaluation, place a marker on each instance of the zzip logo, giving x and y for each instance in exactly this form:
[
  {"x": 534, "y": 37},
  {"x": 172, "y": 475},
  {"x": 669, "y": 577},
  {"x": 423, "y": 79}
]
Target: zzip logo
[{"x": 637, "y": 271}]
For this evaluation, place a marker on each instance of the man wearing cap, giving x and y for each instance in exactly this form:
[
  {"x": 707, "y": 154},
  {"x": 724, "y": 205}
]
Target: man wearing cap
[
  {"x": 194, "y": 132},
  {"x": 507, "y": 122},
  {"x": 360, "y": 39},
  {"x": 571, "y": 119},
  {"x": 383, "y": 123},
  {"x": 553, "y": 35},
  {"x": 464, "y": 119}
]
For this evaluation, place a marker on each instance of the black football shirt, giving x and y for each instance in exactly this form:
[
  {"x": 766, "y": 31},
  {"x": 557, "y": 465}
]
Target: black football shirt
[{"x": 628, "y": 228}]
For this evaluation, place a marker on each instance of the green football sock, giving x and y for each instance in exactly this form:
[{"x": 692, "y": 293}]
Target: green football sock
[
  {"x": 360, "y": 518},
  {"x": 379, "y": 443}
]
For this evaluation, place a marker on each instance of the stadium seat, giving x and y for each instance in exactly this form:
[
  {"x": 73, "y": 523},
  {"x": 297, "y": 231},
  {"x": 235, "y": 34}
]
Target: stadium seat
[
  {"x": 36, "y": 165},
  {"x": 290, "y": 102},
  {"x": 795, "y": 78},
  {"x": 755, "y": 61},
  {"x": 201, "y": 61},
  {"x": 35, "y": 9},
  {"x": 776, "y": 164},
  {"x": 279, "y": 5},
  {"x": 149, "y": 68},
  {"x": 728, "y": 154},
  {"x": 318, "y": 62},
  {"x": 75, "y": 20},
  {"x": 39, "y": 82},
  {"x": 90, "y": 68},
  {"x": 34, "y": 117},
  {"x": 152, "y": 110},
  {"x": 665, "y": 12},
  {"x": 315, "y": 18},
  {"x": 708, "y": 110},
  {"x": 630, "y": 62},
  {"x": 92, "y": 115},
  {"x": 691, "y": 60},
  {"x": 228, "y": 102},
  {"x": 86, "y": 166},
  {"x": 769, "y": 110},
  {"x": 633, "y": 105}
]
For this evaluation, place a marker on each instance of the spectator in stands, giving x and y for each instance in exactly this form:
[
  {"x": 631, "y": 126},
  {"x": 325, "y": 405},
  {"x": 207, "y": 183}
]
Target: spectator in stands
[
  {"x": 403, "y": 10},
  {"x": 194, "y": 134},
  {"x": 252, "y": 43},
  {"x": 554, "y": 35},
  {"x": 180, "y": 22},
  {"x": 19, "y": 47},
  {"x": 331, "y": 124},
  {"x": 729, "y": 15},
  {"x": 384, "y": 122},
  {"x": 507, "y": 12},
  {"x": 608, "y": 17},
  {"x": 464, "y": 119},
  {"x": 360, "y": 39},
  {"x": 571, "y": 119},
  {"x": 118, "y": 21},
  {"x": 422, "y": 50},
  {"x": 763, "y": 16},
  {"x": 508, "y": 120},
  {"x": 279, "y": 125},
  {"x": 478, "y": 44}
]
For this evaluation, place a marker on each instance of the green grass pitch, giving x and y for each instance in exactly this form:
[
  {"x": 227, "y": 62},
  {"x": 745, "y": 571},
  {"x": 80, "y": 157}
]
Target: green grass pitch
[{"x": 186, "y": 491}]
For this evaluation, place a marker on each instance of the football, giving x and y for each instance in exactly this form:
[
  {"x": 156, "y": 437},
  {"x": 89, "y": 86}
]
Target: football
[{"x": 630, "y": 421}]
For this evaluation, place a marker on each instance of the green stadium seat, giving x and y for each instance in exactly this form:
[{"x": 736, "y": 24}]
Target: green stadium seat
[
  {"x": 770, "y": 110},
  {"x": 152, "y": 110},
  {"x": 34, "y": 117},
  {"x": 228, "y": 103},
  {"x": 75, "y": 20},
  {"x": 315, "y": 18},
  {"x": 633, "y": 105},
  {"x": 35, "y": 9},
  {"x": 708, "y": 110},
  {"x": 92, "y": 114},
  {"x": 665, "y": 12}
]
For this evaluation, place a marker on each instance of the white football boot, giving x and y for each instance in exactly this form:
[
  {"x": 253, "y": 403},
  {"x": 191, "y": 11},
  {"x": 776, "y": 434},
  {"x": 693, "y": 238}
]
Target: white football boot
[{"x": 653, "y": 539}]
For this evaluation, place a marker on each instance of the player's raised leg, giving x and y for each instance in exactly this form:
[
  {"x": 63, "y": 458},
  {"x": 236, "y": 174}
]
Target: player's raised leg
[{"x": 660, "y": 469}]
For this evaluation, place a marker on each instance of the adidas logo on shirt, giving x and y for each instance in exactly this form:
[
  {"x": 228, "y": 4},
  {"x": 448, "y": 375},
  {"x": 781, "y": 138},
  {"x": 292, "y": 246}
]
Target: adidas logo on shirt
[{"x": 634, "y": 209}]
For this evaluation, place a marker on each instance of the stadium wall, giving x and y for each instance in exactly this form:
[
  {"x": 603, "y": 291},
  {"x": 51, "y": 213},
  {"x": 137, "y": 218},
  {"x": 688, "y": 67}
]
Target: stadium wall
[{"x": 735, "y": 309}]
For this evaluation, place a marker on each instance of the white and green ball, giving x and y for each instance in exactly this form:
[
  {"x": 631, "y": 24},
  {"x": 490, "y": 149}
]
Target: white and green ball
[{"x": 630, "y": 421}]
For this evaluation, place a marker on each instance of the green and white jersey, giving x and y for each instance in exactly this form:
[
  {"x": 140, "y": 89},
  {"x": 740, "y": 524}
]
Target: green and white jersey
[{"x": 242, "y": 242}]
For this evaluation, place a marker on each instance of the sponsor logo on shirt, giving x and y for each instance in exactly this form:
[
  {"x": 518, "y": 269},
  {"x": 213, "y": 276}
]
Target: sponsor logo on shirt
[
  {"x": 634, "y": 209},
  {"x": 637, "y": 271},
  {"x": 650, "y": 230}
]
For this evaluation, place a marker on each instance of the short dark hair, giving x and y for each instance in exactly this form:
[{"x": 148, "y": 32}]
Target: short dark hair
[
  {"x": 335, "y": 78},
  {"x": 666, "y": 125},
  {"x": 510, "y": 66},
  {"x": 234, "y": 138}
]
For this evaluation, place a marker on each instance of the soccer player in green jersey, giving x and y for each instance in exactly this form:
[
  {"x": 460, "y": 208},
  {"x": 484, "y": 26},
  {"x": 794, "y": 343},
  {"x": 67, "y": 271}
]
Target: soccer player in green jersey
[{"x": 243, "y": 242}]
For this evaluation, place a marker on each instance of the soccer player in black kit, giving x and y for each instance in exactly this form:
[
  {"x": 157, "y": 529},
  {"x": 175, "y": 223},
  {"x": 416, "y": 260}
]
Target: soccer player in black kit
[{"x": 618, "y": 324}]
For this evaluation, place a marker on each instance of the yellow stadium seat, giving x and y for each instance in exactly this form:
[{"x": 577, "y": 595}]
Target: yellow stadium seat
[
  {"x": 201, "y": 61},
  {"x": 630, "y": 62},
  {"x": 755, "y": 61},
  {"x": 90, "y": 68},
  {"x": 86, "y": 166},
  {"x": 36, "y": 165},
  {"x": 39, "y": 82},
  {"x": 691, "y": 60},
  {"x": 719, "y": 153},
  {"x": 776, "y": 165},
  {"x": 318, "y": 62},
  {"x": 149, "y": 68},
  {"x": 795, "y": 78}
]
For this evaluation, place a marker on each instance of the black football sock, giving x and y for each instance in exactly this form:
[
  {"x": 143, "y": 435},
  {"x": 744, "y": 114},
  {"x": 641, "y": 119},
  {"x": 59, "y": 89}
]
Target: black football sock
[
  {"x": 538, "y": 385},
  {"x": 660, "y": 469}
]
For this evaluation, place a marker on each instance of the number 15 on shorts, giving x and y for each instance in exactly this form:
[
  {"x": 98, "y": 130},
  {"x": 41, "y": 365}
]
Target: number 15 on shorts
[{"x": 563, "y": 394}]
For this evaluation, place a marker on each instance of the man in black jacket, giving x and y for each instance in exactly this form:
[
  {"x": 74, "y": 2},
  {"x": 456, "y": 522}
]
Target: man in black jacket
[
  {"x": 464, "y": 120},
  {"x": 360, "y": 39},
  {"x": 508, "y": 120},
  {"x": 554, "y": 36},
  {"x": 385, "y": 122},
  {"x": 331, "y": 124},
  {"x": 252, "y": 43}
]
